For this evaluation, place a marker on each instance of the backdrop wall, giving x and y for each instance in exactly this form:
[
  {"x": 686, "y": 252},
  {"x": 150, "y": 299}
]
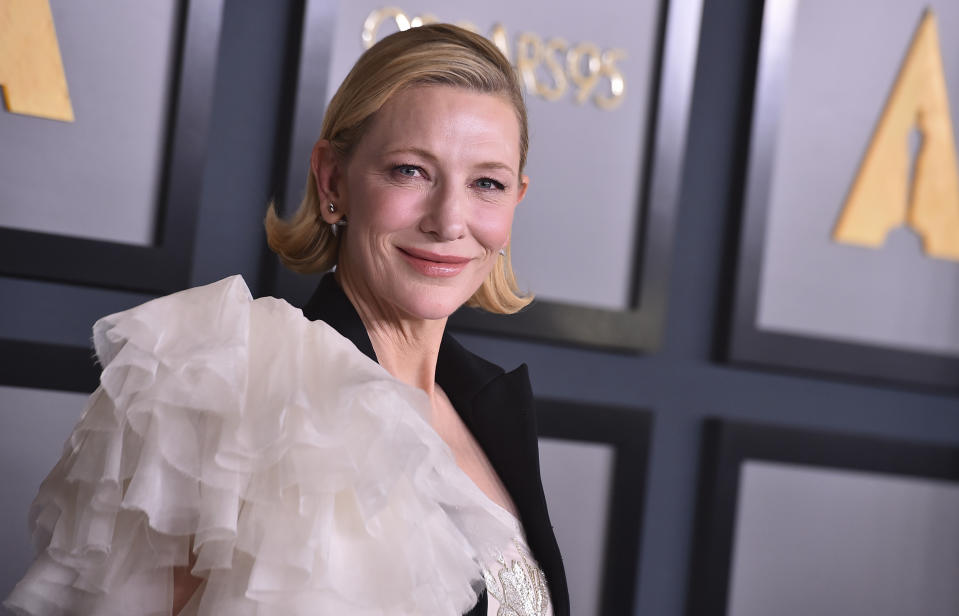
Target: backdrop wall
[{"x": 682, "y": 384}]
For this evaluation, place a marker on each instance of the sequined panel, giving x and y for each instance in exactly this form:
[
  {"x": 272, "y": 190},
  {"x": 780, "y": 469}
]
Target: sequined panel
[{"x": 519, "y": 586}]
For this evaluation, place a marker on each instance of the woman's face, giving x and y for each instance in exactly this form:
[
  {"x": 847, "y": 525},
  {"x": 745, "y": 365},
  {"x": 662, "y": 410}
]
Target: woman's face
[{"x": 429, "y": 194}]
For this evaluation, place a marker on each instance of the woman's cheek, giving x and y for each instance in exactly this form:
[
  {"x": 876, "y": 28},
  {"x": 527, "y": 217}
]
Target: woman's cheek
[
  {"x": 494, "y": 231},
  {"x": 392, "y": 213}
]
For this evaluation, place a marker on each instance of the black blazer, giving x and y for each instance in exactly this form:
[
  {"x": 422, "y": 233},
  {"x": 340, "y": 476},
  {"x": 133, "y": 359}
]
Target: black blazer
[{"x": 497, "y": 407}]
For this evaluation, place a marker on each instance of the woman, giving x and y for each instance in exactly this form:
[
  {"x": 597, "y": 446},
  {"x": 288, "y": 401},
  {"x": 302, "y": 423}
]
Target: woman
[{"x": 239, "y": 458}]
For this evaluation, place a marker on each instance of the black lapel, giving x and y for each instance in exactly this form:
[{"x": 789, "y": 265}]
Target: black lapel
[
  {"x": 504, "y": 424},
  {"x": 330, "y": 304},
  {"x": 497, "y": 407}
]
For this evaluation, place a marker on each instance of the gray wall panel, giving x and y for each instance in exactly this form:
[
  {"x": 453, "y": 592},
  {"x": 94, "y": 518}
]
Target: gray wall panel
[
  {"x": 843, "y": 543},
  {"x": 577, "y": 478},
  {"x": 844, "y": 61},
  {"x": 34, "y": 424},
  {"x": 97, "y": 178}
]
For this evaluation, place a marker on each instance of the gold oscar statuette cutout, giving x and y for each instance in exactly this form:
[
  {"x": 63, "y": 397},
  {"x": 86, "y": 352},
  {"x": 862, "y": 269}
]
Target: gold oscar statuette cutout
[
  {"x": 31, "y": 70},
  {"x": 880, "y": 198}
]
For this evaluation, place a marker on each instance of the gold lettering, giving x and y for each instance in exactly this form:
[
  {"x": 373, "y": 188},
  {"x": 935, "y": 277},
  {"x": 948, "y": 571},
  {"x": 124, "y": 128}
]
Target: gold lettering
[
  {"x": 555, "y": 69},
  {"x": 422, "y": 20},
  {"x": 880, "y": 198},
  {"x": 617, "y": 83},
  {"x": 546, "y": 69},
  {"x": 574, "y": 66},
  {"x": 529, "y": 54},
  {"x": 499, "y": 38},
  {"x": 31, "y": 69},
  {"x": 375, "y": 19}
]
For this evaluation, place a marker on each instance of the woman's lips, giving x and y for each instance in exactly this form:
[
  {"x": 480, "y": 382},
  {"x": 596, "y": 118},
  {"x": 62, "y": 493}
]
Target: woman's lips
[{"x": 432, "y": 264}]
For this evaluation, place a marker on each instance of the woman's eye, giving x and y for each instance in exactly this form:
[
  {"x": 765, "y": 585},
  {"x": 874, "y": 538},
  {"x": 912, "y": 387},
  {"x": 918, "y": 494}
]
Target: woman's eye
[
  {"x": 489, "y": 184},
  {"x": 410, "y": 171}
]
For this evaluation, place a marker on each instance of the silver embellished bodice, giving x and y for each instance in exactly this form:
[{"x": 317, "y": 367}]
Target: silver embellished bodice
[{"x": 515, "y": 583}]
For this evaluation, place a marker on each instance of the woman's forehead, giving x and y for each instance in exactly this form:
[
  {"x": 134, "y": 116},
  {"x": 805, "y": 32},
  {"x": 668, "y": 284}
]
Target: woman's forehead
[{"x": 446, "y": 119}]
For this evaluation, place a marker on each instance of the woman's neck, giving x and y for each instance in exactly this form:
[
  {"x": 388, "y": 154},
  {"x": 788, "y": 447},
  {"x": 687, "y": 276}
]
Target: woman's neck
[{"x": 406, "y": 347}]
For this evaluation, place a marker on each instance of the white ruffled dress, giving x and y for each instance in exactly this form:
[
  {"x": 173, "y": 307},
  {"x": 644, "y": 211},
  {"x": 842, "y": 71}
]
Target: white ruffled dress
[{"x": 304, "y": 477}]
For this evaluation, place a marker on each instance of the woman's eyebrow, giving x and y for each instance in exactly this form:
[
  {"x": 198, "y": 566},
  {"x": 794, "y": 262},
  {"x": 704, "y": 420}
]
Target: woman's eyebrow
[
  {"x": 415, "y": 151},
  {"x": 491, "y": 165},
  {"x": 494, "y": 165}
]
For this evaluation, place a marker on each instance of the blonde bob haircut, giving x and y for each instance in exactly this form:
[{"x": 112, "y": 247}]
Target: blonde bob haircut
[{"x": 435, "y": 54}]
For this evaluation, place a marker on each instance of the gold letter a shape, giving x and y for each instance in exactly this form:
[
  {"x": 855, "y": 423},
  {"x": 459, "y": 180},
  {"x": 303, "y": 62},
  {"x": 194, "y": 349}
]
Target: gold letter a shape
[
  {"x": 31, "y": 71},
  {"x": 880, "y": 198}
]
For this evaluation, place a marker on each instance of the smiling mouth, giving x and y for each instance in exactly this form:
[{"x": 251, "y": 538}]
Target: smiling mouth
[{"x": 432, "y": 264}]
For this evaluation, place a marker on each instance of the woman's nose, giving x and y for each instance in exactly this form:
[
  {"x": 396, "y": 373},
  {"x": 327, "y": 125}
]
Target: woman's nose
[{"x": 445, "y": 217}]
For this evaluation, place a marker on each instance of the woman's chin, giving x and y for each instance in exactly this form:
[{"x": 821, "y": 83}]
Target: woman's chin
[
  {"x": 434, "y": 304},
  {"x": 433, "y": 311}
]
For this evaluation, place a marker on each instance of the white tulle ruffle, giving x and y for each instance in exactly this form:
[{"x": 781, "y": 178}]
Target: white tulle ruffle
[{"x": 302, "y": 475}]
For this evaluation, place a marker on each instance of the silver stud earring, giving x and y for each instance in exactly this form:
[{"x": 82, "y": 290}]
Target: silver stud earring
[
  {"x": 334, "y": 227},
  {"x": 502, "y": 252}
]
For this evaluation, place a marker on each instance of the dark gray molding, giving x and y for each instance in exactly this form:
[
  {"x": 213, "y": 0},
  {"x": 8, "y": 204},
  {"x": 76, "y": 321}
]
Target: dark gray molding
[{"x": 629, "y": 432}]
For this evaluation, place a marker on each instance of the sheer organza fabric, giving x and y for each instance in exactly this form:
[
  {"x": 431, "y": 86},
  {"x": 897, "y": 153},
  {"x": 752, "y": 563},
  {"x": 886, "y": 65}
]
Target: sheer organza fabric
[{"x": 306, "y": 479}]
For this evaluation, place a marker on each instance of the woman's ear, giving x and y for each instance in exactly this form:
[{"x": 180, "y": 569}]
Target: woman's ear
[
  {"x": 523, "y": 185},
  {"x": 328, "y": 176}
]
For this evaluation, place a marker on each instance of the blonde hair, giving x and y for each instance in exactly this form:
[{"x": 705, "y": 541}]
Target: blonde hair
[{"x": 435, "y": 54}]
